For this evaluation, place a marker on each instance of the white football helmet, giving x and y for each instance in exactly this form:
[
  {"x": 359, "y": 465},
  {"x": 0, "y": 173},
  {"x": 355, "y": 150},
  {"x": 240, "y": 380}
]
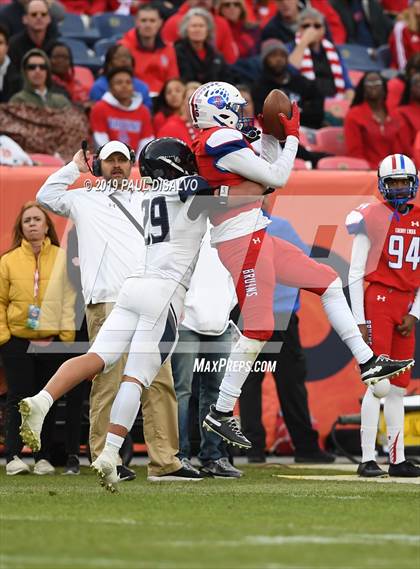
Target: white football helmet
[
  {"x": 397, "y": 166},
  {"x": 217, "y": 104}
]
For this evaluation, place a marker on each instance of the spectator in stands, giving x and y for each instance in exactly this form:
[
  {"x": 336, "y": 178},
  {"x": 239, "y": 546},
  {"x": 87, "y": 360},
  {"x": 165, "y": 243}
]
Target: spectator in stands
[
  {"x": 121, "y": 114},
  {"x": 63, "y": 73},
  {"x": 87, "y": 7},
  {"x": 10, "y": 78},
  {"x": 246, "y": 35},
  {"x": 119, "y": 56},
  {"x": 12, "y": 14},
  {"x": 197, "y": 58},
  {"x": 179, "y": 125},
  {"x": 223, "y": 39},
  {"x": 369, "y": 131},
  {"x": 397, "y": 85},
  {"x": 283, "y": 25},
  {"x": 405, "y": 38},
  {"x": 289, "y": 374},
  {"x": 170, "y": 101},
  {"x": 394, "y": 7},
  {"x": 36, "y": 310},
  {"x": 260, "y": 12},
  {"x": 365, "y": 21},
  {"x": 36, "y": 90},
  {"x": 38, "y": 32},
  {"x": 317, "y": 58},
  {"x": 155, "y": 62},
  {"x": 408, "y": 117},
  {"x": 277, "y": 74}
]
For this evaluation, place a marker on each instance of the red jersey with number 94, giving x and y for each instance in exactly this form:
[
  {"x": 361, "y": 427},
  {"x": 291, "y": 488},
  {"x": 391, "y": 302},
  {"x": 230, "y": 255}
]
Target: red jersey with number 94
[{"x": 394, "y": 255}]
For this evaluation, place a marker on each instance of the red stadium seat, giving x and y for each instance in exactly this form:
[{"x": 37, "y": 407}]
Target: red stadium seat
[
  {"x": 46, "y": 160},
  {"x": 331, "y": 139},
  {"x": 300, "y": 164},
  {"x": 342, "y": 163},
  {"x": 355, "y": 76}
]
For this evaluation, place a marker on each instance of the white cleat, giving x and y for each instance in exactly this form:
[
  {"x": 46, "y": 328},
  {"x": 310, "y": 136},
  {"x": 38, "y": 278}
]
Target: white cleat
[
  {"x": 32, "y": 419},
  {"x": 43, "y": 467},
  {"x": 17, "y": 466},
  {"x": 105, "y": 467}
]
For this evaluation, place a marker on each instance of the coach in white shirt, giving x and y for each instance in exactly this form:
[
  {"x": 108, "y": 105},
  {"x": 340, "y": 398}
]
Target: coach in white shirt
[
  {"x": 204, "y": 344},
  {"x": 108, "y": 225}
]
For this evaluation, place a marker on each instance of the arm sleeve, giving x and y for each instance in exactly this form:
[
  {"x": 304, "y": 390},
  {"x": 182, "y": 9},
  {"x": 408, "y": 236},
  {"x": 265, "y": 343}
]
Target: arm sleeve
[
  {"x": 54, "y": 195},
  {"x": 252, "y": 167},
  {"x": 359, "y": 256},
  {"x": 415, "y": 309},
  {"x": 4, "y": 302},
  {"x": 270, "y": 148}
]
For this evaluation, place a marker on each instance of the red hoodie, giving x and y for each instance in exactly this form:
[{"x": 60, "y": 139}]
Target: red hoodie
[
  {"x": 153, "y": 66},
  {"x": 224, "y": 41}
]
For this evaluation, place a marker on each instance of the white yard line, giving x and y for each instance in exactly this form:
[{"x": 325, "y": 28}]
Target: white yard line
[{"x": 349, "y": 478}]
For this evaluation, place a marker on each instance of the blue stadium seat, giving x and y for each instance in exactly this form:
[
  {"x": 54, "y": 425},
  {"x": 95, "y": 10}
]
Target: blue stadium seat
[
  {"x": 110, "y": 24},
  {"x": 72, "y": 27},
  {"x": 82, "y": 55},
  {"x": 383, "y": 55},
  {"x": 102, "y": 46},
  {"x": 358, "y": 57}
]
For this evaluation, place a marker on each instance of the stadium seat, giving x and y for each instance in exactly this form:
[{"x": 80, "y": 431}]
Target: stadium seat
[
  {"x": 300, "y": 164},
  {"x": 85, "y": 76},
  {"x": 110, "y": 24},
  {"x": 383, "y": 55},
  {"x": 337, "y": 107},
  {"x": 355, "y": 76},
  {"x": 358, "y": 57},
  {"x": 102, "y": 46},
  {"x": 46, "y": 160},
  {"x": 72, "y": 27},
  {"x": 82, "y": 56},
  {"x": 342, "y": 163},
  {"x": 331, "y": 139}
]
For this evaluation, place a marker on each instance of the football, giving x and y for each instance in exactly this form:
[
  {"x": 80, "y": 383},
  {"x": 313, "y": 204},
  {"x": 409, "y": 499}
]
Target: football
[{"x": 276, "y": 102}]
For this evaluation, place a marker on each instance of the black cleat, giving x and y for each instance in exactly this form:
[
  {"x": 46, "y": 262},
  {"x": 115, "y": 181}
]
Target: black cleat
[
  {"x": 315, "y": 457},
  {"x": 227, "y": 427},
  {"x": 382, "y": 367},
  {"x": 404, "y": 469},
  {"x": 184, "y": 474},
  {"x": 370, "y": 470},
  {"x": 125, "y": 474},
  {"x": 220, "y": 468}
]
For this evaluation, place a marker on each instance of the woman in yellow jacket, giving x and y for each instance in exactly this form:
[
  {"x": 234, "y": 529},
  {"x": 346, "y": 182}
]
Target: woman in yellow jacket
[{"x": 36, "y": 309}]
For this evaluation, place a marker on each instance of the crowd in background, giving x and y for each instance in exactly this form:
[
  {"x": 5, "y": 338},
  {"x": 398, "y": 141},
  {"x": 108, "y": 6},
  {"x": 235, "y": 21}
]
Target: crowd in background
[{"x": 140, "y": 89}]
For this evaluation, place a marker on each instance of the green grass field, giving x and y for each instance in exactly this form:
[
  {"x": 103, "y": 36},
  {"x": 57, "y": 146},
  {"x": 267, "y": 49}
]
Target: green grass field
[{"x": 259, "y": 522}]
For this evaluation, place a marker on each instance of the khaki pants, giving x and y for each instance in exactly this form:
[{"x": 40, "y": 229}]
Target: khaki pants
[{"x": 159, "y": 406}]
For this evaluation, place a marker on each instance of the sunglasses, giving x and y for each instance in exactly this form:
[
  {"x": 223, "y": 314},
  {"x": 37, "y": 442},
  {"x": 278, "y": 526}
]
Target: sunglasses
[
  {"x": 373, "y": 83},
  {"x": 227, "y": 4},
  {"x": 33, "y": 66},
  {"x": 316, "y": 26},
  {"x": 35, "y": 14}
]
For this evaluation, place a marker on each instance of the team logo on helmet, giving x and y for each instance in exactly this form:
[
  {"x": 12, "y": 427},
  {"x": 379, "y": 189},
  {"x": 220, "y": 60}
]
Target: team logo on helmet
[{"x": 217, "y": 101}]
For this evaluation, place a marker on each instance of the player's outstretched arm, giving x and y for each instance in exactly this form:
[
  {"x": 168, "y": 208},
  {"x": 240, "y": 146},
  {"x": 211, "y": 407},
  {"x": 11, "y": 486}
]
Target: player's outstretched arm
[{"x": 359, "y": 256}]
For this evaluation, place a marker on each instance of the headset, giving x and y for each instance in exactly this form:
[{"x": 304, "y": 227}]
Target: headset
[{"x": 96, "y": 169}]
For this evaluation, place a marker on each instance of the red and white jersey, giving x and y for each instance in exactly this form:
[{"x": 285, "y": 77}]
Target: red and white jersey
[
  {"x": 394, "y": 254},
  {"x": 225, "y": 157}
]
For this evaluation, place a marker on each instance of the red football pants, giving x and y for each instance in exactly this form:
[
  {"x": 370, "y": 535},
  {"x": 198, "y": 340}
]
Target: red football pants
[
  {"x": 384, "y": 310},
  {"x": 256, "y": 263}
]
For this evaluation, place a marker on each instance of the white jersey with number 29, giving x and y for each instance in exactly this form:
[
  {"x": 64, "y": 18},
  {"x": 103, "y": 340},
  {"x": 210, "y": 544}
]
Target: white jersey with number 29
[{"x": 172, "y": 232}]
